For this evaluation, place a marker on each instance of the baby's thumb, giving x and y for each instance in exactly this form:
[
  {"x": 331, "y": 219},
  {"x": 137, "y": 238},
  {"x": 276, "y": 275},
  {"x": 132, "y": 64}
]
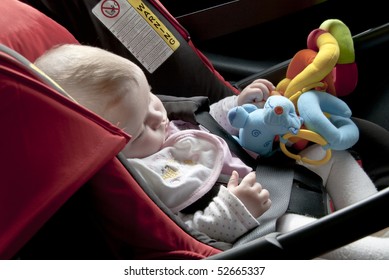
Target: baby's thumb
[{"x": 234, "y": 180}]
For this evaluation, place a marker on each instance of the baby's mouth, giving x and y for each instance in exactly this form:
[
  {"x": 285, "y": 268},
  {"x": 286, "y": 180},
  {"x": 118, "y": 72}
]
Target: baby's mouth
[{"x": 165, "y": 123}]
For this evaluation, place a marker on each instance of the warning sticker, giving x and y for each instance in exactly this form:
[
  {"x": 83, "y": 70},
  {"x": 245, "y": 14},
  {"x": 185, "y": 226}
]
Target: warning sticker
[
  {"x": 110, "y": 8},
  {"x": 139, "y": 30}
]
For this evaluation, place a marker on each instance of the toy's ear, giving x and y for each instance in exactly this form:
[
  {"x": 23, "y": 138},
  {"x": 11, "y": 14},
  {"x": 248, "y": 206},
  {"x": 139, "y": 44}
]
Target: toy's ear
[
  {"x": 238, "y": 116},
  {"x": 249, "y": 107}
]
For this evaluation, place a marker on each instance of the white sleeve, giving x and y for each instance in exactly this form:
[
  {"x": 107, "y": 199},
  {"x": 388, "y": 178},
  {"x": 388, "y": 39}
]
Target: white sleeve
[
  {"x": 219, "y": 111},
  {"x": 224, "y": 219}
]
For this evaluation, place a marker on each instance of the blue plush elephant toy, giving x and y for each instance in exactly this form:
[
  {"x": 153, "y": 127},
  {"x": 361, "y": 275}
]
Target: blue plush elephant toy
[
  {"x": 321, "y": 113},
  {"x": 259, "y": 127}
]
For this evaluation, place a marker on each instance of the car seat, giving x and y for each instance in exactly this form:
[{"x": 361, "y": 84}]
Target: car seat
[{"x": 73, "y": 177}]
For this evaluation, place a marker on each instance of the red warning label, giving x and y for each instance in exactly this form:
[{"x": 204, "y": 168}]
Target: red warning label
[{"x": 110, "y": 8}]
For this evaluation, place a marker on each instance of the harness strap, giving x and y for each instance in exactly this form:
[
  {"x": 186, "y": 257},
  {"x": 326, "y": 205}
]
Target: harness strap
[
  {"x": 277, "y": 175},
  {"x": 297, "y": 189},
  {"x": 308, "y": 194},
  {"x": 206, "y": 120}
]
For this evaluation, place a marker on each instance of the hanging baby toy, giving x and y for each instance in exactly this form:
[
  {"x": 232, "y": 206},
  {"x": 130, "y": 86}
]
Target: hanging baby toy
[
  {"x": 258, "y": 127},
  {"x": 315, "y": 79}
]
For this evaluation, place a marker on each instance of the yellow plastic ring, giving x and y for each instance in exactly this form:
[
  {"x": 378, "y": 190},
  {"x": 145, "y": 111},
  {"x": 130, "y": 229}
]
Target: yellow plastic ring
[{"x": 310, "y": 136}]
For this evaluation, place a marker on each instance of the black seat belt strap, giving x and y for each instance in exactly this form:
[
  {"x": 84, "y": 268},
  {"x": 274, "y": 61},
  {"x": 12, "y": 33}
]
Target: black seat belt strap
[
  {"x": 308, "y": 187},
  {"x": 206, "y": 120}
]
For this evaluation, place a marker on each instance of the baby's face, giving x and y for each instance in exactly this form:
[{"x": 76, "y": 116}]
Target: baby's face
[{"x": 143, "y": 116}]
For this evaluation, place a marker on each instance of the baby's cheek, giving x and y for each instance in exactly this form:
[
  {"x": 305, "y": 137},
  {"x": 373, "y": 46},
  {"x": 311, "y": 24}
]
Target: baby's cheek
[{"x": 153, "y": 143}]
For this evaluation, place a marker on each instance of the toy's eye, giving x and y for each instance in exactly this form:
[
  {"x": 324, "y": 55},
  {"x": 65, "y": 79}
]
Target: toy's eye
[{"x": 278, "y": 110}]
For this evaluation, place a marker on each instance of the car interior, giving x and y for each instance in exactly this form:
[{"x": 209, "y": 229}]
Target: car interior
[{"x": 66, "y": 200}]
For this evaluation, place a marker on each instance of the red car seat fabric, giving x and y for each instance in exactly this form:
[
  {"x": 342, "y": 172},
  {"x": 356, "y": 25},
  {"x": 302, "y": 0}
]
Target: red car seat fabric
[
  {"x": 136, "y": 226},
  {"x": 51, "y": 147},
  {"x": 28, "y": 31},
  {"x": 56, "y": 146},
  {"x": 59, "y": 146}
]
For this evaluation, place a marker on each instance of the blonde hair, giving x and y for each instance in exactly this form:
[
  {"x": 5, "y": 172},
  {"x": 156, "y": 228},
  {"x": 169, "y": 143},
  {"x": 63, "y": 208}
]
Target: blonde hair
[{"x": 92, "y": 76}]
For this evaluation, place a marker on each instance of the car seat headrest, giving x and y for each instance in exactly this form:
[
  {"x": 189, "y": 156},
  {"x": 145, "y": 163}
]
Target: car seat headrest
[{"x": 28, "y": 31}]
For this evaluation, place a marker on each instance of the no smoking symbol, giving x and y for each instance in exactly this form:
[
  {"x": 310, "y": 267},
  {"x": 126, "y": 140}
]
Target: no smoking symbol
[{"x": 110, "y": 8}]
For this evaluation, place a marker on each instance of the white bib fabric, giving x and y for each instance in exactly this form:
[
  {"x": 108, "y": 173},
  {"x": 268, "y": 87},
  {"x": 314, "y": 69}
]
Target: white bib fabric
[{"x": 186, "y": 168}]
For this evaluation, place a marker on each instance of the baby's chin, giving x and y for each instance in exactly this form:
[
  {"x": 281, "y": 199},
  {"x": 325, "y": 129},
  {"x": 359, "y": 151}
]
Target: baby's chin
[{"x": 139, "y": 154}]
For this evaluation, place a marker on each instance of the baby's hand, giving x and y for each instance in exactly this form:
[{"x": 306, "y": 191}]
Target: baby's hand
[
  {"x": 250, "y": 193},
  {"x": 256, "y": 93}
]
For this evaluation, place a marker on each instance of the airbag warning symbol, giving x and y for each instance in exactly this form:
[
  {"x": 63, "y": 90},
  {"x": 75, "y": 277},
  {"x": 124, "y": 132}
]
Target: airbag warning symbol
[{"x": 110, "y": 8}]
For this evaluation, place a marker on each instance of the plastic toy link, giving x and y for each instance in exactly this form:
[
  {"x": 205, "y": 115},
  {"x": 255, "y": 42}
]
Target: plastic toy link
[{"x": 310, "y": 136}]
